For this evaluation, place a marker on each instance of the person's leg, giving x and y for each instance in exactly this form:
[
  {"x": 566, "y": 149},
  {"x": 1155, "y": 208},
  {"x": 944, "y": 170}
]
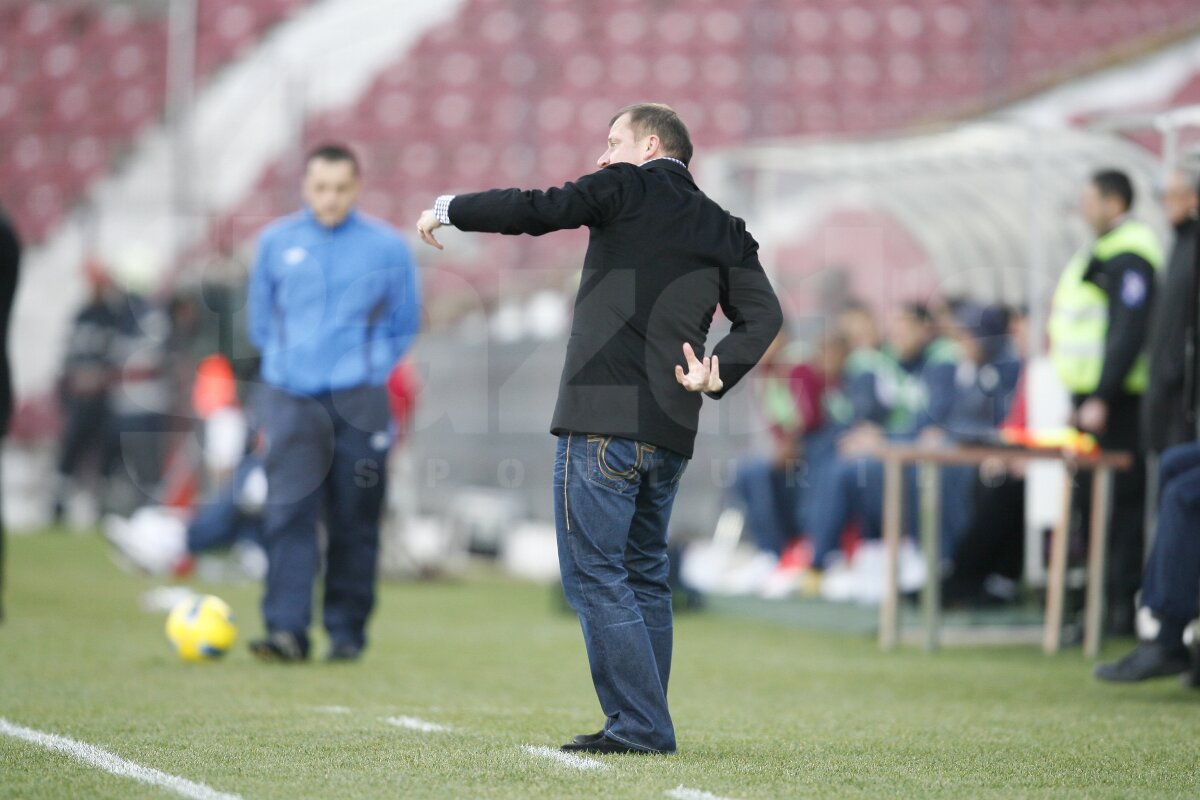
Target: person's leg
[
  {"x": 215, "y": 525},
  {"x": 145, "y": 439},
  {"x": 755, "y": 487},
  {"x": 834, "y": 504},
  {"x": 81, "y": 433},
  {"x": 646, "y": 553},
  {"x": 957, "y": 498},
  {"x": 218, "y": 519},
  {"x": 820, "y": 453},
  {"x": 1177, "y": 460},
  {"x": 1171, "y": 587},
  {"x": 993, "y": 542},
  {"x": 787, "y": 495},
  {"x": 1126, "y": 535},
  {"x": 299, "y": 436},
  {"x": 596, "y": 484},
  {"x": 869, "y": 498},
  {"x": 356, "y": 486}
]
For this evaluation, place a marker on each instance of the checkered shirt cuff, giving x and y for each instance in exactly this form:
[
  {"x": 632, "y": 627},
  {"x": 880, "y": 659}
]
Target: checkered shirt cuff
[{"x": 441, "y": 209}]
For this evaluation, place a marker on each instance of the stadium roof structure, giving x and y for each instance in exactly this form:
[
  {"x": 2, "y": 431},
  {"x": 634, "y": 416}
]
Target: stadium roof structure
[{"x": 992, "y": 206}]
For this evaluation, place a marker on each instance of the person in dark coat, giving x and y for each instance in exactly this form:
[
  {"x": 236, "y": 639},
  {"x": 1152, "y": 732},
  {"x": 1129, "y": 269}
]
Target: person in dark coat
[
  {"x": 661, "y": 257},
  {"x": 1165, "y": 421},
  {"x": 10, "y": 261}
]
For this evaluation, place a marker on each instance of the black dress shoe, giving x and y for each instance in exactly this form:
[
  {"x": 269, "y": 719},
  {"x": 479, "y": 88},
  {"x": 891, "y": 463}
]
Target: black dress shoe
[
  {"x": 1191, "y": 640},
  {"x": 602, "y": 746},
  {"x": 588, "y": 738},
  {"x": 280, "y": 646},
  {"x": 1148, "y": 660}
]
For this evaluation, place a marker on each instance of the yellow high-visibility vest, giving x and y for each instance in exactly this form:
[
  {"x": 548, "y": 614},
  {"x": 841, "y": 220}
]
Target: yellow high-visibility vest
[{"x": 1079, "y": 312}]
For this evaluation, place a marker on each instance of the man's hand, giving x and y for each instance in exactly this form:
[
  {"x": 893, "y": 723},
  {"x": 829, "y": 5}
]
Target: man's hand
[
  {"x": 932, "y": 437},
  {"x": 864, "y": 439},
  {"x": 1093, "y": 415},
  {"x": 701, "y": 376},
  {"x": 426, "y": 225}
]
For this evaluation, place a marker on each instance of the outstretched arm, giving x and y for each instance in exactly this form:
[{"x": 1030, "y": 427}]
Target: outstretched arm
[{"x": 592, "y": 200}]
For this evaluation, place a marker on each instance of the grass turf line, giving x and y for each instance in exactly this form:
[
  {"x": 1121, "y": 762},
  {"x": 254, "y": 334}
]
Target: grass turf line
[{"x": 761, "y": 711}]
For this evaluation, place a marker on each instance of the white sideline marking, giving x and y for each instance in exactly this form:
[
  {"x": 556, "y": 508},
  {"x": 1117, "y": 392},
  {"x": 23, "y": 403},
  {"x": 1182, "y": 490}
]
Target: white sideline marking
[
  {"x": 331, "y": 709},
  {"x": 566, "y": 759},
  {"x": 414, "y": 724},
  {"x": 96, "y": 757},
  {"x": 681, "y": 792}
]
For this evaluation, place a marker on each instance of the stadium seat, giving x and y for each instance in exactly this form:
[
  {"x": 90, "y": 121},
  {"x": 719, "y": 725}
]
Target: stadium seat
[
  {"x": 86, "y": 78},
  {"x": 505, "y": 80}
]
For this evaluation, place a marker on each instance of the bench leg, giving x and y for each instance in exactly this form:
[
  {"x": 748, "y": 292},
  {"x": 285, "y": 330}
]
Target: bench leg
[
  {"x": 893, "y": 513},
  {"x": 1057, "y": 569},
  {"x": 931, "y": 544},
  {"x": 1097, "y": 546}
]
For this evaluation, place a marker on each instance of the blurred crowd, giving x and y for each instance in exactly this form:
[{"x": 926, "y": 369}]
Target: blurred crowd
[
  {"x": 1121, "y": 339},
  {"x": 943, "y": 374},
  {"x": 128, "y": 380}
]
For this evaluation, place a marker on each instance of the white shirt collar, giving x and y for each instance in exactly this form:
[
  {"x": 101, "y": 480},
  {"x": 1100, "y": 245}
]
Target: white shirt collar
[{"x": 664, "y": 158}]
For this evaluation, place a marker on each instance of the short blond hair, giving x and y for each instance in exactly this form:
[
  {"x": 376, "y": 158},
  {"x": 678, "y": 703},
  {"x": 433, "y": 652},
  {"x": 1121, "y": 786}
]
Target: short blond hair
[{"x": 660, "y": 120}]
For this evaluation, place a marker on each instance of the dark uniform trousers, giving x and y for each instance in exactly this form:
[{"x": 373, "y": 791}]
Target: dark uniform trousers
[
  {"x": 1127, "y": 522},
  {"x": 326, "y": 452}
]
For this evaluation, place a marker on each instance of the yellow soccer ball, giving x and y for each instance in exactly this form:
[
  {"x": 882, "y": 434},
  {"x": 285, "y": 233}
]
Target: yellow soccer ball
[{"x": 201, "y": 628}]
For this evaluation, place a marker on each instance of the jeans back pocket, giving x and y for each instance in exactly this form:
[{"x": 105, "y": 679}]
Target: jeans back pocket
[{"x": 613, "y": 461}]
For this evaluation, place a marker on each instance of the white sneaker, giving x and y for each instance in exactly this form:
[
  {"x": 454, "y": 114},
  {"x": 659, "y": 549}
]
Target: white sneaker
[
  {"x": 780, "y": 583},
  {"x": 251, "y": 559},
  {"x": 838, "y": 580},
  {"x": 912, "y": 571},
  {"x": 749, "y": 578},
  {"x": 861, "y": 579},
  {"x": 154, "y": 540}
]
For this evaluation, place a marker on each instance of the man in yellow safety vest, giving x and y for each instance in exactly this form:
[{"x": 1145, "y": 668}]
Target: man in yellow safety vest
[{"x": 1098, "y": 325}]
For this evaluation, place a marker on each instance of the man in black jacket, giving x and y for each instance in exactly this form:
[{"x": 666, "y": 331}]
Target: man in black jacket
[
  {"x": 1098, "y": 323},
  {"x": 1165, "y": 417},
  {"x": 661, "y": 257},
  {"x": 10, "y": 260}
]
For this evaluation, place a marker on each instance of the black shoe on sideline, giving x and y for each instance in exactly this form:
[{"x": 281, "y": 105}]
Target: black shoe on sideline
[
  {"x": 343, "y": 652},
  {"x": 603, "y": 746},
  {"x": 588, "y": 738},
  {"x": 1148, "y": 660},
  {"x": 1191, "y": 640},
  {"x": 280, "y": 646}
]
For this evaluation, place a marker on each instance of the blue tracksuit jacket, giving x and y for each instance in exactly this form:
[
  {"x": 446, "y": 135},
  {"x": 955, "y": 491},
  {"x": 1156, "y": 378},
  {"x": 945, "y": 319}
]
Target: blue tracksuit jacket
[{"x": 332, "y": 308}]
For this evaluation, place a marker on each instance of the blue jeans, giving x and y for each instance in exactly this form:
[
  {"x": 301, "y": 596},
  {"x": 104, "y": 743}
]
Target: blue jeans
[
  {"x": 820, "y": 458},
  {"x": 328, "y": 453},
  {"x": 1171, "y": 583},
  {"x": 219, "y": 522},
  {"x": 852, "y": 488},
  {"x": 771, "y": 498},
  {"x": 612, "y": 503},
  {"x": 849, "y": 488}
]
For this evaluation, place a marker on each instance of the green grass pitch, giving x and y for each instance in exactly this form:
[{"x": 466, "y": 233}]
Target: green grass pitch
[{"x": 762, "y": 711}]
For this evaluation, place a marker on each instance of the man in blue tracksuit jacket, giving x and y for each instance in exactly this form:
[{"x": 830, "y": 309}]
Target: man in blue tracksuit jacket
[{"x": 333, "y": 303}]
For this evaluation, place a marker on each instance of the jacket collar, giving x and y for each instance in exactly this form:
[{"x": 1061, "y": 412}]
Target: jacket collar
[
  {"x": 670, "y": 165},
  {"x": 350, "y": 220}
]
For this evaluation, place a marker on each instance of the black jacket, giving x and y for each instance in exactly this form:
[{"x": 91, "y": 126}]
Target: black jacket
[
  {"x": 1164, "y": 418},
  {"x": 10, "y": 259},
  {"x": 661, "y": 257},
  {"x": 1129, "y": 282}
]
